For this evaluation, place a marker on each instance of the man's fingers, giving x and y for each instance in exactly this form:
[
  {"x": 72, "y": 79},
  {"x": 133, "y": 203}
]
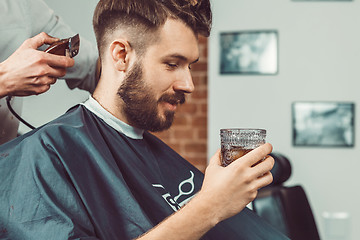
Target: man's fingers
[
  {"x": 39, "y": 40},
  {"x": 254, "y": 156},
  {"x": 41, "y": 89},
  {"x": 47, "y": 71},
  {"x": 35, "y": 89},
  {"x": 264, "y": 166},
  {"x": 264, "y": 180},
  {"x": 40, "y": 81},
  {"x": 47, "y": 58},
  {"x": 58, "y": 61},
  {"x": 55, "y": 72},
  {"x": 52, "y": 81}
]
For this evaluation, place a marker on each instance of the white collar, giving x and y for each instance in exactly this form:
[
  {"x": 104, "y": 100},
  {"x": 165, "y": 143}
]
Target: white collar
[{"x": 92, "y": 105}]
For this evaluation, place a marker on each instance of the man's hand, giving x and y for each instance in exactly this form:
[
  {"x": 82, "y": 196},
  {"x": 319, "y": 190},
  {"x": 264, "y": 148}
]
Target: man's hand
[
  {"x": 29, "y": 71},
  {"x": 225, "y": 192},
  {"x": 229, "y": 189}
]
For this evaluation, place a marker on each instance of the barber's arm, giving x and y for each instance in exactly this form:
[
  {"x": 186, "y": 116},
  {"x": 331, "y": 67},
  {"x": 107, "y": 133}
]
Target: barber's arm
[
  {"x": 86, "y": 70},
  {"x": 225, "y": 192},
  {"x": 29, "y": 71}
]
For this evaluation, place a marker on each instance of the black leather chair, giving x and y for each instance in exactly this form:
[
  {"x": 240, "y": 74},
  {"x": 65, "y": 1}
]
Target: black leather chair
[{"x": 286, "y": 208}]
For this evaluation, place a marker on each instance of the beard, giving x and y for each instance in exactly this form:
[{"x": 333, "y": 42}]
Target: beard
[{"x": 140, "y": 104}]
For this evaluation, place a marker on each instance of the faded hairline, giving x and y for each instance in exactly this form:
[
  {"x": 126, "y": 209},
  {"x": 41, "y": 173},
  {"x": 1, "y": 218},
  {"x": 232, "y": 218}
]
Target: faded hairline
[{"x": 138, "y": 40}]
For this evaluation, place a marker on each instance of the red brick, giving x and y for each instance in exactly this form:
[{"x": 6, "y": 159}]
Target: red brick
[
  {"x": 199, "y": 94},
  {"x": 204, "y": 53},
  {"x": 201, "y": 167},
  {"x": 204, "y": 108},
  {"x": 176, "y": 147},
  {"x": 200, "y": 122},
  {"x": 199, "y": 163},
  {"x": 199, "y": 80},
  {"x": 180, "y": 120},
  {"x": 188, "y": 108},
  {"x": 202, "y": 133},
  {"x": 195, "y": 147},
  {"x": 184, "y": 134},
  {"x": 199, "y": 66},
  {"x": 164, "y": 135}
]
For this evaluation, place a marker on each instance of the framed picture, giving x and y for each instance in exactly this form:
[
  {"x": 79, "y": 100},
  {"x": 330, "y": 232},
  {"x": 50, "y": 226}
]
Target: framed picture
[
  {"x": 328, "y": 124},
  {"x": 249, "y": 52}
]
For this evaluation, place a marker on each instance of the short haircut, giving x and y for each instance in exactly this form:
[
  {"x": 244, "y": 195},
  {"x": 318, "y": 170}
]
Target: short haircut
[{"x": 140, "y": 19}]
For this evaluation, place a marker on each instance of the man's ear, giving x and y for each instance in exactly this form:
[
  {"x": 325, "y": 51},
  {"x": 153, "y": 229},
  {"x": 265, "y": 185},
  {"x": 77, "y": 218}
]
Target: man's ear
[{"x": 120, "y": 51}]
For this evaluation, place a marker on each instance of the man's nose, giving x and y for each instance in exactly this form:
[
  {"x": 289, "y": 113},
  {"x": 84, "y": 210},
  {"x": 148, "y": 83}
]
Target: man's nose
[{"x": 184, "y": 83}]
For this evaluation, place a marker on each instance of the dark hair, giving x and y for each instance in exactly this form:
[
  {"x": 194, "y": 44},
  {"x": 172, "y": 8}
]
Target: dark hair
[{"x": 141, "y": 18}]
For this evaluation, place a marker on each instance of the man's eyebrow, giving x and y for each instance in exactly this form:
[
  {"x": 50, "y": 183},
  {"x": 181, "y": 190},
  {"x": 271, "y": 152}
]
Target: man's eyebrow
[{"x": 181, "y": 57}]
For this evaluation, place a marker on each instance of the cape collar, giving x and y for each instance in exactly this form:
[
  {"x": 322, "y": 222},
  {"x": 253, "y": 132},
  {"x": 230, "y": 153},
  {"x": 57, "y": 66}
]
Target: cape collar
[{"x": 92, "y": 105}]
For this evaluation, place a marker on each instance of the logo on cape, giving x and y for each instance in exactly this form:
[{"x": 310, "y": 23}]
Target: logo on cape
[{"x": 185, "y": 189}]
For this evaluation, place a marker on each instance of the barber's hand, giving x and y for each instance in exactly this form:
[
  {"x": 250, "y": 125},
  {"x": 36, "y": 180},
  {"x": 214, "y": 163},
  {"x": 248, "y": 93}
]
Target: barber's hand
[
  {"x": 29, "y": 71},
  {"x": 229, "y": 189}
]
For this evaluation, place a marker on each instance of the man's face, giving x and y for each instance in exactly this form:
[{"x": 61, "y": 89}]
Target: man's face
[{"x": 157, "y": 83}]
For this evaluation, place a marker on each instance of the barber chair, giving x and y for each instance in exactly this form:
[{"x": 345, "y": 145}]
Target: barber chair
[{"x": 286, "y": 208}]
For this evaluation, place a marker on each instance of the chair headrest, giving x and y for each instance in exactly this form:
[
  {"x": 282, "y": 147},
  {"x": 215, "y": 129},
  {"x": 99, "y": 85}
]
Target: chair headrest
[{"x": 281, "y": 170}]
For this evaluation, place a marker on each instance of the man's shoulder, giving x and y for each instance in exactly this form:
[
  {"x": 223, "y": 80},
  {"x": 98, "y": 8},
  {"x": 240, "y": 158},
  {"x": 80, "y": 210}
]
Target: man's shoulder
[
  {"x": 73, "y": 120},
  {"x": 69, "y": 128},
  {"x": 57, "y": 143},
  {"x": 56, "y": 131}
]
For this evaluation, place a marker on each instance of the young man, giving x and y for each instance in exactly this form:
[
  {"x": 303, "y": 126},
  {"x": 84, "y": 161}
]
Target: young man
[{"x": 97, "y": 173}]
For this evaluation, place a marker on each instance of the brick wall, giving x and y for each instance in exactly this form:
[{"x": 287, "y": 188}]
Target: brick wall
[{"x": 188, "y": 134}]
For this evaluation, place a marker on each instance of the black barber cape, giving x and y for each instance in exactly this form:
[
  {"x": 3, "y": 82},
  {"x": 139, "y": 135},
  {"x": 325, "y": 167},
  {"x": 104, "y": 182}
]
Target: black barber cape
[{"x": 78, "y": 178}]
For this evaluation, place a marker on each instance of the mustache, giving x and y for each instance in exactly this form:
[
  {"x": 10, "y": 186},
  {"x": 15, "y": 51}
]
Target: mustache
[{"x": 177, "y": 98}]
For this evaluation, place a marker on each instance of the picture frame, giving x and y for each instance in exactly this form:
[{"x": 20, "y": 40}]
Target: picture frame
[
  {"x": 323, "y": 124},
  {"x": 249, "y": 52}
]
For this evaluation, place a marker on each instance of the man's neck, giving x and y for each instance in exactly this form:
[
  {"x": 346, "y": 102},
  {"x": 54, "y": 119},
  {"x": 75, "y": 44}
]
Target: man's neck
[
  {"x": 107, "y": 97},
  {"x": 95, "y": 107}
]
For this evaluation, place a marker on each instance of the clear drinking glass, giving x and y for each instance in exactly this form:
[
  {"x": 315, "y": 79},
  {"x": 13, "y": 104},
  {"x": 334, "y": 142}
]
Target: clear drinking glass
[{"x": 236, "y": 142}]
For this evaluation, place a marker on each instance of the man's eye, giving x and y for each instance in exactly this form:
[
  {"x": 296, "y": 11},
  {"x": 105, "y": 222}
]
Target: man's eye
[{"x": 171, "y": 65}]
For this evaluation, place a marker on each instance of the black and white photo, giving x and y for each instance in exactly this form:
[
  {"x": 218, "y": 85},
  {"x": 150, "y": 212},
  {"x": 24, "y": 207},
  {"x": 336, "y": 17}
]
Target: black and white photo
[
  {"x": 323, "y": 124},
  {"x": 249, "y": 52}
]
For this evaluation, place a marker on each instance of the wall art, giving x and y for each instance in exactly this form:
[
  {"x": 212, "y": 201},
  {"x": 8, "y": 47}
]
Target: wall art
[
  {"x": 249, "y": 52},
  {"x": 328, "y": 124}
]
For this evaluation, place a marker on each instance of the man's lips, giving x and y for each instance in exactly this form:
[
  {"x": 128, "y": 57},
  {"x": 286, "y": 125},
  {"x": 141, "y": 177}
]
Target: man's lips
[
  {"x": 170, "y": 102},
  {"x": 170, "y": 106}
]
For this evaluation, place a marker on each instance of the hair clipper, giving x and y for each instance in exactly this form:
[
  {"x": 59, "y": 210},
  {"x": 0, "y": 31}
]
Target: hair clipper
[{"x": 65, "y": 47}]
